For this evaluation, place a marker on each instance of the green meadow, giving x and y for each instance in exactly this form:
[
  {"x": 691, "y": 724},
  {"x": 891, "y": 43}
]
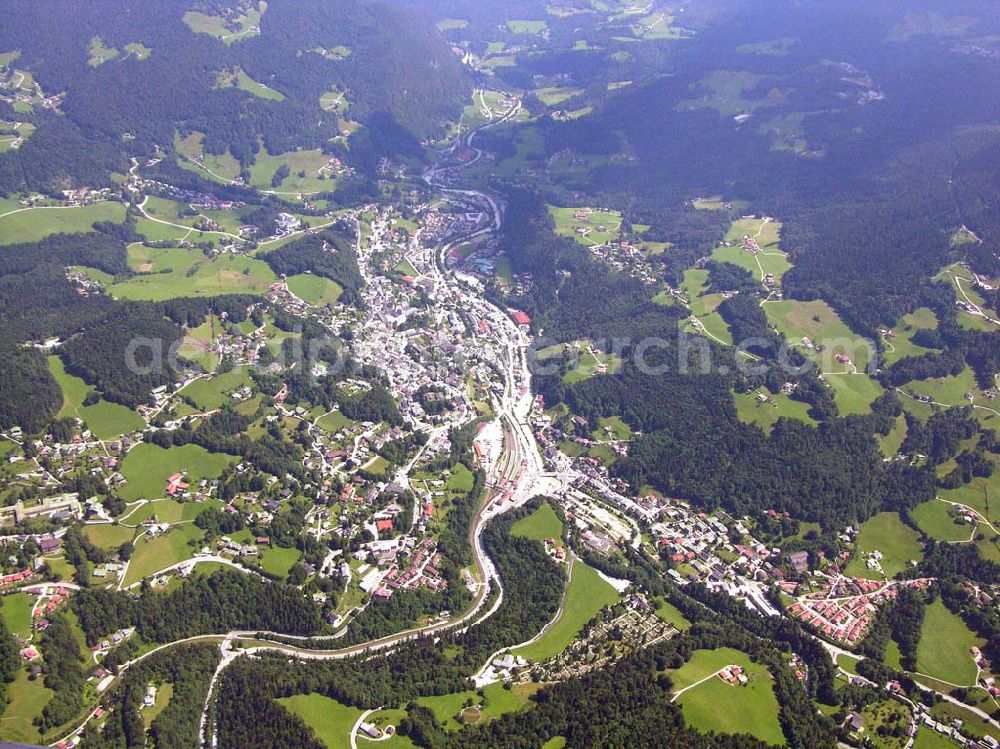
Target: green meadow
[
  {"x": 168, "y": 511},
  {"x": 818, "y": 322},
  {"x": 331, "y": 721},
  {"x": 977, "y": 493},
  {"x": 891, "y": 442},
  {"x": 900, "y": 344},
  {"x": 315, "y": 289},
  {"x": 450, "y": 711},
  {"x": 751, "y": 410},
  {"x": 174, "y": 272},
  {"x": 947, "y": 390},
  {"x": 16, "y": 612},
  {"x": 588, "y": 593},
  {"x": 671, "y": 615},
  {"x": 704, "y": 306},
  {"x": 278, "y": 561},
  {"x": 154, "y": 554},
  {"x": 540, "y": 525},
  {"x": 105, "y": 419},
  {"x": 886, "y": 533},
  {"x": 216, "y": 26},
  {"x": 147, "y": 468},
  {"x": 305, "y": 168},
  {"x": 35, "y": 224},
  {"x": 934, "y": 519},
  {"x": 595, "y": 226},
  {"x": 527, "y": 26},
  {"x": 943, "y": 650},
  {"x": 212, "y": 393},
  {"x": 333, "y": 422},
  {"x": 717, "y": 706},
  {"x": 100, "y": 53},
  {"x": 27, "y": 700},
  {"x": 108, "y": 536}
]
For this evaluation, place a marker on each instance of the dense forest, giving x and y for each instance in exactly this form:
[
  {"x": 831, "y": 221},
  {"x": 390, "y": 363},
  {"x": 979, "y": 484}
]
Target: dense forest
[
  {"x": 692, "y": 444},
  {"x": 186, "y": 670},
  {"x": 224, "y": 601},
  {"x": 408, "y": 82},
  {"x": 329, "y": 253}
]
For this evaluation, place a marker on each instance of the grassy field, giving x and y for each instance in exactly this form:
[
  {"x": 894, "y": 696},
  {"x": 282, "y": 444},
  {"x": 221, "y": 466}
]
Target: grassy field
[
  {"x": 278, "y": 560},
  {"x": 854, "y": 393},
  {"x": 154, "y": 554},
  {"x": 728, "y": 93},
  {"x": 943, "y": 651},
  {"x": 553, "y": 95},
  {"x": 901, "y": 344},
  {"x": 315, "y": 289},
  {"x": 543, "y": 523},
  {"x": 964, "y": 291},
  {"x": 884, "y": 532},
  {"x": 717, "y": 706},
  {"x": 27, "y": 700},
  {"x": 147, "y": 468},
  {"x": 108, "y": 536},
  {"x": 619, "y": 430},
  {"x": 770, "y": 261},
  {"x": 461, "y": 480},
  {"x": 201, "y": 23},
  {"x": 16, "y": 611},
  {"x": 704, "y": 306},
  {"x": 975, "y": 494},
  {"x": 766, "y": 415},
  {"x": 209, "y": 394},
  {"x": 947, "y": 390},
  {"x": 106, "y": 420},
  {"x": 244, "y": 82},
  {"x": 657, "y": 26},
  {"x": 173, "y": 272},
  {"x": 933, "y": 519},
  {"x": 891, "y": 442},
  {"x": 304, "y": 172},
  {"x": 168, "y": 511},
  {"x": 333, "y": 422},
  {"x": 383, "y": 719},
  {"x": 163, "y": 695},
  {"x": 599, "y": 227},
  {"x": 705, "y": 663},
  {"x": 24, "y": 131},
  {"x": 671, "y": 615},
  {"x": 138, "y": 51},
  {"x": 498, "y": 701},
  {"x": 450, "y": 24},
  {"x": 100, "y": 53},
  {"x": 589, "y": 363},
  {"x": 818, "y": 322},
  {"x": 34, "y": 224},
  {"x": 768, "y": 237},
  {"x": 155, "y": 232},
  {"x": 527, "y": 26},
  {"x": 928, "y": 738},
  {"x": 588, "y": 593},
  {"x": 331, "y": 721}
]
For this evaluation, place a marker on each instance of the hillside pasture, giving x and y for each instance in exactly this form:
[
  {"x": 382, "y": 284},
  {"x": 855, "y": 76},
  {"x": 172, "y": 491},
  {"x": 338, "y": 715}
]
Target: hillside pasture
[
  {"x": 943, "y": 650},
  {"x": 35, "y": 224}
]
